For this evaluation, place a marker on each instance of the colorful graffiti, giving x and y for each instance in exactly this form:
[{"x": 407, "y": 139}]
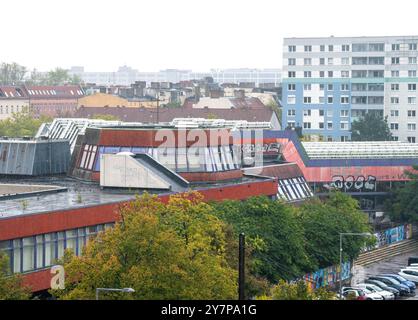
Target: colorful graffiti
[
  {"x": 393, "y": 235},
  {"x": 328, "y": 276},
  {"x": 350, "y": 183}
]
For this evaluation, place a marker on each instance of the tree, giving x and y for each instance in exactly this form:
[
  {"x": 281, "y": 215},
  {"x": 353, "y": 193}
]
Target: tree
[
  {"x": 58, "y": 76},
  {"x": 21, "y": 124},
  {"x": 11, "y": 286},
  {"x": 371, "y": 127},
  {"x": 298, "y": 291},
  {"x": 163, "y": 251},
  {"x": 11, "y": 73},
  {"x": 323, "y": 222},
  {"x": 403, "y": 203},
  {"x": 273, "y": 233}
]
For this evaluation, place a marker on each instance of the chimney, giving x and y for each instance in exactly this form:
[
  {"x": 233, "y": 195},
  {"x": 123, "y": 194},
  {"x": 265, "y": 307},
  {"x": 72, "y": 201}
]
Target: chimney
[{"x": 239, "y": 94}]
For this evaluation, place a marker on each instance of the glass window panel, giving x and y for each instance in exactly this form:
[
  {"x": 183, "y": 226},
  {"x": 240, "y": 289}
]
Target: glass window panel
[
  {"x": 217, "y": 160},
  {"x": 50, "y": 252},
  {"x": 71, "y": 237},
  {"x": 195, "y": 157},
  {"x": 208, "y": 160},
  {"x": 61, "y": 244},
  {"x": 228, "y": 155},
  {"x": 84, "y": 156},
  {"x": 167, "y": 157},
  {"x": 17, "y": 250},
  {"x": 39, "y": 252},
  {"x": 28, "y": 254}
]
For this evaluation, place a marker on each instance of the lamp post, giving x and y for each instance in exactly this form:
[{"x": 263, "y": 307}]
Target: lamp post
[
  {"x": 365, "y": 234},
  {"x": 129, "y": 290}
]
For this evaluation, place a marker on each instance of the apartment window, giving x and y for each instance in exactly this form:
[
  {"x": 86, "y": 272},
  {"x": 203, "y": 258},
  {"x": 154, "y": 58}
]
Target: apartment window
[
  {"x": 345, "y": 61},
  {"x": 396, "y": 47},
  {"x": 412, "y": 46},
  {"x": 330, "y": 99},
  {"x": 321, "y": 74},
  {"x": 321, "y": 112},
  {"x": 330, "y": 87},
  {"x": 412, "y": 100},
  {"x": 395, "y": 138},
  {"x": 307, "y": 61},
  {"x": 379, "y": 47},
  {"x": 292, "y": 74},
  {"x": 330, "y": 74},
  {"x": 394, "y": 100},
  {"x": 291, "y": 112},
  {"x": 292, "y": 62},
  {"x": 307, "y": 113},
  {"x": 411, "y": 139},
  {"x": 330, "y": 113},
  {"x": 344, "y": 100},
  {"x": 344, "y": 113},
  {"x": 343, "y": 138},
  {"x": 307, "y": 74},
  {"x": 395, "y": 60},
  {"x": 321, "y": 61},
  {"x": 321, "y": 125},
  {"x": 394, "y": 113},
  {"x": 291, "y": 99},
  {"x": 330, "y": 48},
  {"x": 345, "y": 74},
  {"x": 394, "y": 73},
  {"x": 291, "y": 87},
  {"x": 412, "y": 127},
  {"x": 345, "y": 87},
  {"x": 412, "y": 87},
  {"x": 321, "y": 100},
  {"x": 321, "y": 87},
  {"x": 291, "y": 124},
  {"x": 322, "y": 48},
  {"x": 394, "y": 126},
  {"x": 412, "y": 60},
  {"x": 412, "y": 73},
  {"x": 307, "y": 100},
  {"x": 292, "y": 48},
  {"x": 307, "y": 87},
  {"x": 329, "y": 125},
  {"x": 330, "y": 61},
  {"x": 306, "y": 125},
  {"x": 412, "y": 113},
  {"x": 344, "y": 125},
  {"x": 308, "y": 48},
  {"x": 345, "y": 47},
  {"x": 394, "y": 87}
]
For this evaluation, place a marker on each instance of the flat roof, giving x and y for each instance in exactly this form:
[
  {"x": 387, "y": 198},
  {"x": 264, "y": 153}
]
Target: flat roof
[
  {"x": 82, "y": 194},
  {"x": 361, "y": 150}
]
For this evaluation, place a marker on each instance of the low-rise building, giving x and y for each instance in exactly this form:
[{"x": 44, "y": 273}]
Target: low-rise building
[{"x": 13, "y": 99}]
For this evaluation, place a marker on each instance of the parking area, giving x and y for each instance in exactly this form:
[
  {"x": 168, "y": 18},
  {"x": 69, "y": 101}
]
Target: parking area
[{"x": 392, "y": 265}]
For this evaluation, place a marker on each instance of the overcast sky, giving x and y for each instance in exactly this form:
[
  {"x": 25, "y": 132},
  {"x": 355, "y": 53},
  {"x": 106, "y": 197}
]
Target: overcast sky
[{"x": 184, "y": 34}]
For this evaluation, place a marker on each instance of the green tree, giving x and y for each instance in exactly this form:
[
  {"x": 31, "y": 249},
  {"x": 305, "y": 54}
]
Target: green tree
[
  {"x": 58, "y": 76},
  {"x": 323, "y": 222},
  {"x": 21, "y": 124},
  {"x": 273, "y": 233},
  {"x": 11, "y": 73},
  {"x": 371, "y": 127},
  {"x": 163, "y": 251},
  {"x": 403, "y": 203},
  {"x": 11, "y": 285},
  {"x": 297, "y": 291}
]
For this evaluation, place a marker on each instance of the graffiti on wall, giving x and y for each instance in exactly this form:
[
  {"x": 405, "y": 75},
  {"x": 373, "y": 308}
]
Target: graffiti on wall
[
  {"x": 351, "y": 183},
  {"x": 393, "y": 235},
  {"x": 327, "y": 276}
]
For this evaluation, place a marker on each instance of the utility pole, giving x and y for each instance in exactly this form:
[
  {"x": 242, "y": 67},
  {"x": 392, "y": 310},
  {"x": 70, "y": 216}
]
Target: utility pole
[{"x": 241, "y": 267}]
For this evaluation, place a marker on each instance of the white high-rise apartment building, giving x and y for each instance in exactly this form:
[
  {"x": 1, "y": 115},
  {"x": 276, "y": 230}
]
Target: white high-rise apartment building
[{"x": 329, "y": 82}]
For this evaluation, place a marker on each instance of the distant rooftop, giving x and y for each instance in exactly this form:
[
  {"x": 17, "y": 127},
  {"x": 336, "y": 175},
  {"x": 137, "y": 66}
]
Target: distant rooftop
[{"x": 361, "y": 150}]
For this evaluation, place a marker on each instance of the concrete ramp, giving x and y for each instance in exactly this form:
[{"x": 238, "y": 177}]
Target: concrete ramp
[{"x": 139, "y": 172}]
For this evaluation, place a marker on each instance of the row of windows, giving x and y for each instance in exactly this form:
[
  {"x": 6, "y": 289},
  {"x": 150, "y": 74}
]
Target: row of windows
[
  {"x": 291, "y": 99},
  {"x": 409, "y": 139},
  {"x": 410, "y": 113},
  {"x": 322, "y": 48},
  {"x": 411, "y": 87},
  {"x": 6, "y": 109},
  {"x": 200, "y": 159},
  {"x": 356, "y": 61},
  {"x": 329, "y": 86},
  {"x": 41, "y": 251},
  {"x": 410, "y": 100},
  {"x": 355, "y": 74},
  {"x": 410, "y": 126},
  {"x": 321, "y": 126},
  {"x": 321, "y": 112}
]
